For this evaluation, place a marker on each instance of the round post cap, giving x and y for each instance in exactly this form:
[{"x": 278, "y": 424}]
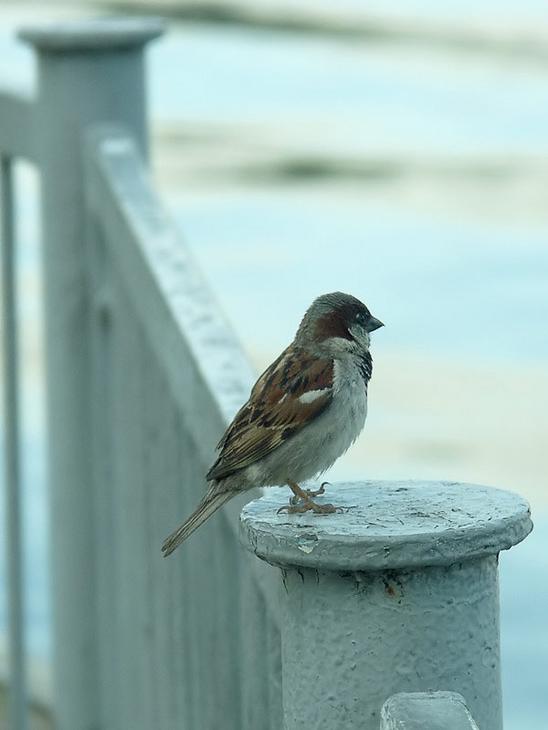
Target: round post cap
[
  {"x": 387, "y": 524},
  {"x": 100, "y": 34}
]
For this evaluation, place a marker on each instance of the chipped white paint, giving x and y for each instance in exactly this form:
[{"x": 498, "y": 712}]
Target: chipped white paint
[
  {"x": 426, "y": 711},
  {"x": 390, "y": 524}
]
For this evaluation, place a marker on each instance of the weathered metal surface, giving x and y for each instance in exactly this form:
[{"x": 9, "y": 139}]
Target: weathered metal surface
[
  {"x": 13, "y": 529},
  {"x": 398, "y": 593},
  {"x": 389, "y": 525},
  {"x": 426, "y": 711}
]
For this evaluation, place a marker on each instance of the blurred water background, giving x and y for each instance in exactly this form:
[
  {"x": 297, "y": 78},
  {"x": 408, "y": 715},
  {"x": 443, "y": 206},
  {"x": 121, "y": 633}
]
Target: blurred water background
[{"x": 398, "y": 153}]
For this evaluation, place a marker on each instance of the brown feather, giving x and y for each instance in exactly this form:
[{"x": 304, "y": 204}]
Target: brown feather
[{"x": 274, "y": 412}]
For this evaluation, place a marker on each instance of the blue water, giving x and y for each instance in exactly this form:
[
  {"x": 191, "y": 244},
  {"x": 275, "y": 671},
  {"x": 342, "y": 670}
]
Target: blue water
[
  {"x": 524, "y": 632},
  {"x": 465, "y": 256},
  {"x": 446, "y": 286}
]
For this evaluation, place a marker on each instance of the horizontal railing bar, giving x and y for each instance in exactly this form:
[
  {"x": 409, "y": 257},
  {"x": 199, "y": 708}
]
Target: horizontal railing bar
[
  {"x": 18, "y": 690},
  {"x": 16, "y": 128},
  {"x": 207, "y": 371},
  {"x": 171, "y": 297}
]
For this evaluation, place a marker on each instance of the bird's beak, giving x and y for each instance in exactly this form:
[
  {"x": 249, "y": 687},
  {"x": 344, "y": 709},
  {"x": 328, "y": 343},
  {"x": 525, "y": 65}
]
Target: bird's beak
[{"x": 374, "y": 324}]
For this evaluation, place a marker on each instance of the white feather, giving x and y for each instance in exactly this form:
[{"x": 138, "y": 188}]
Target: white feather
[{"x": 311, "y": 395}]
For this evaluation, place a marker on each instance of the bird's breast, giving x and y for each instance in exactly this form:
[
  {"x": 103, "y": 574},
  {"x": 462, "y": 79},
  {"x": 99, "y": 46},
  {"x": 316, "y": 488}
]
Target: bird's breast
[{"x": 349, "y": 404}]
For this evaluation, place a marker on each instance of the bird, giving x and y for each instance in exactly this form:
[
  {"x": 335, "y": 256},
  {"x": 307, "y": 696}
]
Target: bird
[{"x": 303, "y": 413}]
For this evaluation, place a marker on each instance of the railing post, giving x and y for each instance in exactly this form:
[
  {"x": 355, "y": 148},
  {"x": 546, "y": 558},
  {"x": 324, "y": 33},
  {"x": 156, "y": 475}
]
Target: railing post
[
  {"x": 399, "y": 593},
  {"x": 18, "y": 706},
  {"x": 87, "y": 72}
]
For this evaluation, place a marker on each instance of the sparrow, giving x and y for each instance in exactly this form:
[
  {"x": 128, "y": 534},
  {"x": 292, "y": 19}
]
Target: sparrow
[{"x": 304, "y": 411}]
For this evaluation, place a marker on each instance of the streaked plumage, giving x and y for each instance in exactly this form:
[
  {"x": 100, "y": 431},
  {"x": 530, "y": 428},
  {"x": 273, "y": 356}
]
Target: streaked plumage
[{"x": 304, "y": 411}]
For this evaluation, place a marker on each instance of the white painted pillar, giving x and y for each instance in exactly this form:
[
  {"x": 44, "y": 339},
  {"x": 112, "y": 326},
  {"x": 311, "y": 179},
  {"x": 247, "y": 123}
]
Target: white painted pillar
[
  {"x": 399, "y": 593},
  {"x": 88, "y": 72}
]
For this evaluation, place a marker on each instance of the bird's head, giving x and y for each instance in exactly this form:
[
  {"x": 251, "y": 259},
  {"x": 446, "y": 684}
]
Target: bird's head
[{"x": 339, "y": 322}]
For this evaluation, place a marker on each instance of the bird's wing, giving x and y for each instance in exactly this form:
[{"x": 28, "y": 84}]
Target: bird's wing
[{"x": 291, "y": 393}]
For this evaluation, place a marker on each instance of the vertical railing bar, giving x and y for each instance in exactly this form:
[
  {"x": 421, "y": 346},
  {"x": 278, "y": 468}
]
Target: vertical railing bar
[{"x": 18, "y": 690}]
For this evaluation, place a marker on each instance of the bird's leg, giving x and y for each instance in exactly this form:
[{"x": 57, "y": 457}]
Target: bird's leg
[
  {"x": 299, "y": 492},
  {"x": 305, "y": 503}
]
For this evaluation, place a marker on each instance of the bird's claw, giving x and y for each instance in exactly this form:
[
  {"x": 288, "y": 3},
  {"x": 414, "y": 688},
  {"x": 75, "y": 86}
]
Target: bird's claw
[
  {"x": 308, "y": 506},
  {"x": 298, "y": 504},
  {"x": 316, "y": 492}
]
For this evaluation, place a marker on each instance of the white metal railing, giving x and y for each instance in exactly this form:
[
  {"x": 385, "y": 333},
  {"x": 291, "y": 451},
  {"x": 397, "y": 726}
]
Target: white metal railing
[
  {"x": 178, "y": 375},
  {"x": 142, "y": 377}
]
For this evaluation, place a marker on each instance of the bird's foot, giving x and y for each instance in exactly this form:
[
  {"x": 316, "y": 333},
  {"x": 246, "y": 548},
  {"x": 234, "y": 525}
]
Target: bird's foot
[
  {"x": 301, "y": 501},
  {"x": 316, "y": 492},
  {"x": 308, "y": 505},
  {"x": 307, "y": 494}
]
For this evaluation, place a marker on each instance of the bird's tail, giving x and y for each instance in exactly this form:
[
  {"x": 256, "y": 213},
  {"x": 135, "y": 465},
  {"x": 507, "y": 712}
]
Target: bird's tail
[{"x": 209, "y": 504}]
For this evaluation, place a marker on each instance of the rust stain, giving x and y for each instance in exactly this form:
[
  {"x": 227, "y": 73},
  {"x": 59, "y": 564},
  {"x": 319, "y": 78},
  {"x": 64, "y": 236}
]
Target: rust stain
[{"x": 393, "y": 587}]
